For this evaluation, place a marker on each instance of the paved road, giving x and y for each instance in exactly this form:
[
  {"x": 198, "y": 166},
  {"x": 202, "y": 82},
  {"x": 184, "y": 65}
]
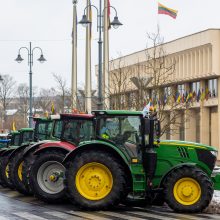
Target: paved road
[{"x": 16, "y": 206}]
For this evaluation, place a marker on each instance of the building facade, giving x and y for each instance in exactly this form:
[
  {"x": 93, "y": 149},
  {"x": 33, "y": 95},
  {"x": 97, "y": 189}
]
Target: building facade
[{"x": 197, "y": 72}]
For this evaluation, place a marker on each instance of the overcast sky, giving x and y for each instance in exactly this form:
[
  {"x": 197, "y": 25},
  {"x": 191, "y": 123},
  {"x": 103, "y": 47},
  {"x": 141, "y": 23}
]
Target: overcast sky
[{"x": 48, "y": 24}]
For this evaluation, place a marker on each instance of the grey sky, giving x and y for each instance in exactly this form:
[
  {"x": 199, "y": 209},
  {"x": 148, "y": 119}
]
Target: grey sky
[{"x": 48, "y": 24}]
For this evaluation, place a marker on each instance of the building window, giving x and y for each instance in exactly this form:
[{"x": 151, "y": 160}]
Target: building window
[
  {"x": 213, "y": 87},
  {"x": 195, "y": 87},
  {"x": 181, "y": 89},
  {"x": 167, "y": 91}
]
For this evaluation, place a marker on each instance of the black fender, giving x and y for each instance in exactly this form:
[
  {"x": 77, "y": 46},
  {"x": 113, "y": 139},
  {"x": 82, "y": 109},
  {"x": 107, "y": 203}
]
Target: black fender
[
  {"x": 33, "y": 147},
  {"x": 17, "y": 150},
  {"x": 7, "y": 152},
  {"x": 2, "y": 150}
]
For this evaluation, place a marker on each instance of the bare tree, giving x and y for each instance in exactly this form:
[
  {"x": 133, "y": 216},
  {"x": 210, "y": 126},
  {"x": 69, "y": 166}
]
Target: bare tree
[
  {"x": 23, "y": 94},
  {"x": 61, "y": 90},
  {"x": 7, "y": 88},
  {"x": 150, "y": 80},
  {"x": 119, "y": 84},
  {"x": 45, "y": 99}
]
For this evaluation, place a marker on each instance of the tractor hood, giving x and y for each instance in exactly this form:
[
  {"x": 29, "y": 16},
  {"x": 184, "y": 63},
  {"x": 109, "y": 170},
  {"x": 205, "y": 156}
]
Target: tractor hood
[
  {"x": 187, "y": 152},
  {"x": 187, "y": 144}
]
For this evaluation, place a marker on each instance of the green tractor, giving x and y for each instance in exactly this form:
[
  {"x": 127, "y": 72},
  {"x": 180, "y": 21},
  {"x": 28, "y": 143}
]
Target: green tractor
[
  {"x": 22, "y": 137},
  {"x": 42, "y": 133},
  {"x": 126, "y": 158},
  {"x": 5, "y": 140}
]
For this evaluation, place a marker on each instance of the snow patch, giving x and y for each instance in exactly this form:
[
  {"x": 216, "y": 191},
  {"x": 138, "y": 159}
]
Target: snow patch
[{"x": 214, "y": 206}]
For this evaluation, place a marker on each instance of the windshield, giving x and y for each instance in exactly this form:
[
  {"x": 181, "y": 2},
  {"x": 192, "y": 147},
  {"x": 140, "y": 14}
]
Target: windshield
[
  {"x": 43, "y": 130},
  {"x": 15, "y": 140},
  {"x": 78, "y": 130},
  {"x": 27, "y": 136},
  {"x": 58, "y": 124},
  {"x": 123, "y": 130}
]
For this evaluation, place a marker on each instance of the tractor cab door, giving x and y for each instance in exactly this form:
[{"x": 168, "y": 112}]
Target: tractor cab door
[{"x": 124, "y": 131}]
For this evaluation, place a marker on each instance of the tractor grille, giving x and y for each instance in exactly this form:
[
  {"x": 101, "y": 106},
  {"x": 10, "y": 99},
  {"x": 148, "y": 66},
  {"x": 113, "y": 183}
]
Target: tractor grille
[
  {"x": 206, "y": 157},
  {"x": 183, "y": 152}
]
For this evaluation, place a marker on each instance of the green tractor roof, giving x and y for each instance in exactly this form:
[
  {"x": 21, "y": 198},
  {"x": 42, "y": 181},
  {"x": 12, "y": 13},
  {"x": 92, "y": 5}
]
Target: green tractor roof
[
  {"x": 26, "y": 129},
  {"x": 116, "y": 112}
]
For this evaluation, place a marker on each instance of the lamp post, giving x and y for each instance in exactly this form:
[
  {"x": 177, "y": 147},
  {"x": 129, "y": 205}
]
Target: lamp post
[
  {"x": 19, "y": 59},
  {"x": 115, "y": 23}
]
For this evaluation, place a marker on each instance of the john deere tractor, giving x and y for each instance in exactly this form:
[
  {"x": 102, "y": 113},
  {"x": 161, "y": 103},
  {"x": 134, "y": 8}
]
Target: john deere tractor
[
  {"x": 22, "y": 137},
  {"x": 124, "y": 158}
]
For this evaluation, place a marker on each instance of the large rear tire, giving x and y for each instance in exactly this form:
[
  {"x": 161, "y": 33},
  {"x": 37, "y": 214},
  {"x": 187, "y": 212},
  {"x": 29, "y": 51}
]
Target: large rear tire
[
  {"x": 28, "y": 161},
  {"x": 95, "y": 180},
  {"x": 46, "y": 176},
  {"x": 4, "y": 172},
  {"x": 188, "y": 189},
  {"x": 15, "y": 173}
]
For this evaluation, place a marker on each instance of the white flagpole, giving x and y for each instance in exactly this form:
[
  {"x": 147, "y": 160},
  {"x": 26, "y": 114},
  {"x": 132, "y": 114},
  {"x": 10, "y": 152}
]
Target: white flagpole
[{"x": 88, "y": 103}]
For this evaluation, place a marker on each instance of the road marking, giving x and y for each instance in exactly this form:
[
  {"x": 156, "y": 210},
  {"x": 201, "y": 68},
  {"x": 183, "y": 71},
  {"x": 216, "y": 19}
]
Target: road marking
[
  {"x": 63, "y": 215},
  {"x": 171, "y": 214},
  {"x": 3, "y": 218},
  {"x": 88, "y": 215},
  {"x": 28, "y": 216},
  {"x": 118, "y": 215},
  {"x": 174, "y": 215},
  {"x": 147, "y": 214},
  {"x": 209, "y": 216},
  {"x": 12, "y": 194}
]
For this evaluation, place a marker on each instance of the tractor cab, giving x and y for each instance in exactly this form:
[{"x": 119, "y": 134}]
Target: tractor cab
[
  {"x": 130, "y": 131},
  {"x": 26, "y": 136},
  {"x": 76, "y": 128},
  {"x": 15, "y": 138}
]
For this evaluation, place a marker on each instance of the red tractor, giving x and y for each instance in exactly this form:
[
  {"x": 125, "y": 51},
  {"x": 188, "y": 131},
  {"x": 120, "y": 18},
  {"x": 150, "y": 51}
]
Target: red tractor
[{"x": 43, "y": 171}]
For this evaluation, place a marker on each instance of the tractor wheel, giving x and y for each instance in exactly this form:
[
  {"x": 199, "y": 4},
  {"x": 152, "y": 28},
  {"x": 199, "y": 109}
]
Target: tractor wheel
[
  {"x": 188, "y": 189},
  {"x": 15, "y": 173},
  {"x": 95, "y": 180},
  {"x": 28, "y": 161},
  {"x": 46, "y": 176},
  {"x": 4, "y": 172}
]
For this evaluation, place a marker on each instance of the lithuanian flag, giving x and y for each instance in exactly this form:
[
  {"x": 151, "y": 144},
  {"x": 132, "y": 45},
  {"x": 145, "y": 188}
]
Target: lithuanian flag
[{"x": 167, "y": 11}]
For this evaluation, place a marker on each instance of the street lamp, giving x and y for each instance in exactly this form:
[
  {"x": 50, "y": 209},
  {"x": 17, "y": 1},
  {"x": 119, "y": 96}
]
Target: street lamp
[
  {"x": 19, "y": 59},
  {"x": 115, "y": 23}
]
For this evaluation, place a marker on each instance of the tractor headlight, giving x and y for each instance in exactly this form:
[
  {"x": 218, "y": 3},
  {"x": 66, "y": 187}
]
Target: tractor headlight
[{"x": 214, "y": 153}]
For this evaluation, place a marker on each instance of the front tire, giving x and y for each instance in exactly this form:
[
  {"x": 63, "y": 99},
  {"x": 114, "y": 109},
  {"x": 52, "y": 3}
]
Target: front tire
[
  {"x": 95, "y": 180},
  {"x": 188, "y": 189},
  {"x": 46, "y": 177}
]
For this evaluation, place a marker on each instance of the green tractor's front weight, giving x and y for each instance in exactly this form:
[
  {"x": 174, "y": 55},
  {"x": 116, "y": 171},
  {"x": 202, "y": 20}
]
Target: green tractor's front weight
[{"x": 126, "y": 159}]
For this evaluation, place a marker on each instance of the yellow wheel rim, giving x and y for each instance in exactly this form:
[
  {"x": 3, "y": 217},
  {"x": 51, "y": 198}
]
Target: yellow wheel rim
[
  {"x": 7, "y": 171},
  {"x": 94, "y": 181},
  {"x": 187, "y": 191},
  {"x": 20, "y": 171}
]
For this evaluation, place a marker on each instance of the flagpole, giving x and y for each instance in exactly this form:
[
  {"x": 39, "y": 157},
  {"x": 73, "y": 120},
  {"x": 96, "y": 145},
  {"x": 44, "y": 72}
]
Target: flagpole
[
  {"x": 74, "y": 56},
  {"x": 106, "y": 55},
  {"x": 88, "y": 103}
]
